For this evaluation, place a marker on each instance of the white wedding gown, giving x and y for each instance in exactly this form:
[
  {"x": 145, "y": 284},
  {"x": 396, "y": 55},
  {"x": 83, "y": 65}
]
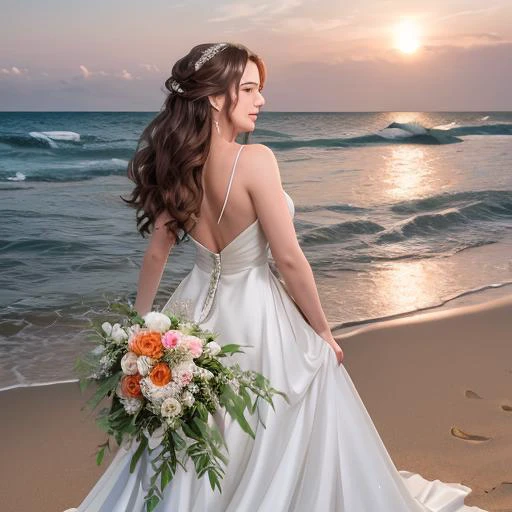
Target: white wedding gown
[{"x": 319, "y": 453}]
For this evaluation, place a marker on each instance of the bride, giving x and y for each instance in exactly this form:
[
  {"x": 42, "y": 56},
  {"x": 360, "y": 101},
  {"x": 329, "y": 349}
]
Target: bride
[{"x": 321, "y": 451}]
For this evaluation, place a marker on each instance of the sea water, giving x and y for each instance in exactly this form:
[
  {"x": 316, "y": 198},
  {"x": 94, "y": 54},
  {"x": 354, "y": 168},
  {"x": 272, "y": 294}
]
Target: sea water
[{"x": 397, "y": 212}]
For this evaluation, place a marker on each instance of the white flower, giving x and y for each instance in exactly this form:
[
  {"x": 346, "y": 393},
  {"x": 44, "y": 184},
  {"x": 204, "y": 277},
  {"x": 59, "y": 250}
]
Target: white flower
[
  {"x": 132, "y": 330},
  {"x": 129, "y": 363},
  {"x": 187, "y": 398},
  {"x": 144, "y": 364},
  {"x": 157, "y": 394},
  {"x": 107, "y": 327},
  {"x": 204, "y": 373},
  {"x": 157, "y": 321},
  {"x": 119, "y": 391},
  {"x": 193, "y": 388},
  {"x": 183, "y": 373},
  {"x": 234, "y": 384},
  {"x": 170, "y": 408},
  {"x": 213, "y": 347},
  {"x": 118, "y": 334},
  {"x": 131, "y": 405}
]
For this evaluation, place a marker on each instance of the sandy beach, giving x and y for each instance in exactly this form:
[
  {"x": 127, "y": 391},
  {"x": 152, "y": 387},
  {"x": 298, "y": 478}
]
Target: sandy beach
[{"x": 420, "y": 377}]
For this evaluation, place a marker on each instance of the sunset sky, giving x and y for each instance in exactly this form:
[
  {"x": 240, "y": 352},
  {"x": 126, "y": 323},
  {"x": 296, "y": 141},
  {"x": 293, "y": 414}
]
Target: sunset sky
[{"x": 322, "y": 55}]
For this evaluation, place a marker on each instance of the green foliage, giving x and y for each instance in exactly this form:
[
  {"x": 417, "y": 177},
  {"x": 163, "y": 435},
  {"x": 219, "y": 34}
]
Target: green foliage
[{"x": 189, "y": 436}]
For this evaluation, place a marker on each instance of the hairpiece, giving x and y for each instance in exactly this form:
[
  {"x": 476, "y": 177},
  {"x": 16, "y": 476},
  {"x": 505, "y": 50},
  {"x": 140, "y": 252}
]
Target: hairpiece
[
  {"x": 206, "y": 55},
  {"x": 209, "y": 53},
  {"x": 175, "y": 86}
]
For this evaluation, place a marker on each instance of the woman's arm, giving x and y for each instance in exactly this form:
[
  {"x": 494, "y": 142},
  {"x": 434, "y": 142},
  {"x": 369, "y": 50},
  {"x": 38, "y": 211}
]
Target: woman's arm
[
  {"x": 153, "y": 264},
  {"x": 268, "y": 197}
]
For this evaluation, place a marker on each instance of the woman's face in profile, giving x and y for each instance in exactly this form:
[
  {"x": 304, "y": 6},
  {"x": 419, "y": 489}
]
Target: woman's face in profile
[{"x": 250, "y": 100}]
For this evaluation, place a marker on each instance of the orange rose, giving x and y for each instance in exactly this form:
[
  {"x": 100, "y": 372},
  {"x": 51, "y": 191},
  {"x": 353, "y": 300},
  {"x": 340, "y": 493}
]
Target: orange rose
[
  {"x": 130, "y": 385},
  {"x": 160, "y": 374},
  {"x": 147, "y": 343}
]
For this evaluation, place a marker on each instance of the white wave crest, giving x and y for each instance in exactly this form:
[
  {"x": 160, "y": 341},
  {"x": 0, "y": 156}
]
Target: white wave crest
[
  {"x": 63, "y": 135},
  {"x": 19, "y": 177},
  {"x": 448, "y": 126},
  {"x": 41, "y": 136}
]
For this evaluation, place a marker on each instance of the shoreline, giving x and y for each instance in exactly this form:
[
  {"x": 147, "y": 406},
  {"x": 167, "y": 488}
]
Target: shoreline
[
  {"x": 479, "y": 296},
  {"x": 419, "y": 377}
]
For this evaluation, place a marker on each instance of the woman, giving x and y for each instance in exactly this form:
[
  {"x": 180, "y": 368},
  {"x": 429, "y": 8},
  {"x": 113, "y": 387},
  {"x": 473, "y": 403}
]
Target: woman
[{"x": 321, "y": 451}]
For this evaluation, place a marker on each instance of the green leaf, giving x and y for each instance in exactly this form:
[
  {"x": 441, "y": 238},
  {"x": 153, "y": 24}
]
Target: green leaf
[
  {"x": 103, "y": 390},
  {"x": 231, "y": 348},
  {"x": 136, "y": 456},
  {"x": 100, "y": 455},
  {"x": 152, "y": 503},
  {"x": 166, "y": 475}
]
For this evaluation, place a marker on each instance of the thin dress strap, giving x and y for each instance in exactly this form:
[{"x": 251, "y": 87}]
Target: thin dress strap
[{"x": 230, "y": 181}]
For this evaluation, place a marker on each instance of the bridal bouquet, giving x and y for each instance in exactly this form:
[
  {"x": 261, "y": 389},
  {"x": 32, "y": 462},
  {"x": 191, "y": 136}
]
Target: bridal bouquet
[{"x": 165, "y": 376}]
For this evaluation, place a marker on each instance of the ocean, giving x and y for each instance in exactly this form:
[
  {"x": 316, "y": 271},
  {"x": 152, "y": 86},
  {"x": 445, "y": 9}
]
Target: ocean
[{"x": 397, "y": 212}]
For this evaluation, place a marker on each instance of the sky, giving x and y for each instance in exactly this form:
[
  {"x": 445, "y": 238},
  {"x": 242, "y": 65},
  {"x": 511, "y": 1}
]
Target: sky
[{"x": 321, "y": 55}]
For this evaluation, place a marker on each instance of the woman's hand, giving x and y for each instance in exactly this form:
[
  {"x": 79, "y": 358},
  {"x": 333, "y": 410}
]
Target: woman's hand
[{"x": 329, "y": 338}]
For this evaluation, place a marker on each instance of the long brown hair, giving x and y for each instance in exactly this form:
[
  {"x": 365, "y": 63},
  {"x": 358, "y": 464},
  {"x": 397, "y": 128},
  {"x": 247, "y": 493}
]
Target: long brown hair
[{"x": 172, "y": 150}]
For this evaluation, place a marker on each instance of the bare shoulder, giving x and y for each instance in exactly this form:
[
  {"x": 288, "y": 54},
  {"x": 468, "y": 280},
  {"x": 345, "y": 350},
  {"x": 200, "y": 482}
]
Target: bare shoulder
[
  {"x": 260, "y": 152},
  {"x": 262, "y": 166}
]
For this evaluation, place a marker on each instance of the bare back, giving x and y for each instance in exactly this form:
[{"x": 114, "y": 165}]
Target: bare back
[{"x": 227, "y": 209}]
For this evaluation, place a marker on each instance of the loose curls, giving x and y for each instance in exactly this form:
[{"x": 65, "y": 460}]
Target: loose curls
[{"x": 172, "y": 150}]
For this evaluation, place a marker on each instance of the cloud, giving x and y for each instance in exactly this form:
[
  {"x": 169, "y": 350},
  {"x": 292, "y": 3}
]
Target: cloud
[
  {"x": 465, "y": 41},
  {"x": 151, "y": 68},
  {"x": 13, "y": 71},
  {"x": 306, "y": 25},
  {"x": 85, "y": 72},
  {"x": 256, "y": 12},
  {"x": 126, "y": 75},
  {"x": 472, "y": 12}
]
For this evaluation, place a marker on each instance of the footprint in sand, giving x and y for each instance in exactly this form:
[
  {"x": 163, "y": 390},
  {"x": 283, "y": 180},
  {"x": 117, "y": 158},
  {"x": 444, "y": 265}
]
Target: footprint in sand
[
  {"x": 507, "y": 408},
  {"x": 471, "y": 394},
  {"x": 460, "y": 434}
]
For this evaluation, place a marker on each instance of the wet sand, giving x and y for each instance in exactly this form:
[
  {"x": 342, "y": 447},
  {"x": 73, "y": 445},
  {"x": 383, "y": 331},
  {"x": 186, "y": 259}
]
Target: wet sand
[{"x": 437, "y": 385}]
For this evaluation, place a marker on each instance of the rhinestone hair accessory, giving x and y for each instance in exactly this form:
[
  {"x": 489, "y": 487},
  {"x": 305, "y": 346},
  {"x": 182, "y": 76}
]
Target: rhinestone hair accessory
[
  {"x": 206, "y": 55},
  {"x": 209, "y": 53},
  {"x": 175, "y": 86}
]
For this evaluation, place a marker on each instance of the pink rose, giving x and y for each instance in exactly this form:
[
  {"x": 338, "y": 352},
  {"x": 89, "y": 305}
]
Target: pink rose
[
  {"x": 171, "y": 339},
  {"x": 194, "y": 345}
]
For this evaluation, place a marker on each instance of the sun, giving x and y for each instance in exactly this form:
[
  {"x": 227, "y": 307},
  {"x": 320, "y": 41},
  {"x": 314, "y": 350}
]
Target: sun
[{"x": 407, "y": 37}]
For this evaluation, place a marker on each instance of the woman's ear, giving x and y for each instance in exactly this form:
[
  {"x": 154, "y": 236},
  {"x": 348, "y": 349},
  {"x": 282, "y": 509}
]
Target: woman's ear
[{"x": 217, "y": 102}]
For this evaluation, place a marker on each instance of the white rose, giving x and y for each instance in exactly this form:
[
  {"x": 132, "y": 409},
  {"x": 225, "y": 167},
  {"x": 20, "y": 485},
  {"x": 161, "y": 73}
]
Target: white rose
[
  {"x": 170, "y": 408},
  {"x": 144, "y": 364},
  {"x": 213, "y": 347},
  {"x": 157, "y": 321},
  {"x": 118, "y": 334},
  {"x": 131, "y": 405},
  {"x": 157, "y": 394},
  {"x": 187, "y": 398},
  {"x": 129, "y": 363},
  {"x": 107, "y": 327}
]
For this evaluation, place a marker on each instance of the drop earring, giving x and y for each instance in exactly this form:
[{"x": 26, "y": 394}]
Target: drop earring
[{"x": 217, "y": 126}]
